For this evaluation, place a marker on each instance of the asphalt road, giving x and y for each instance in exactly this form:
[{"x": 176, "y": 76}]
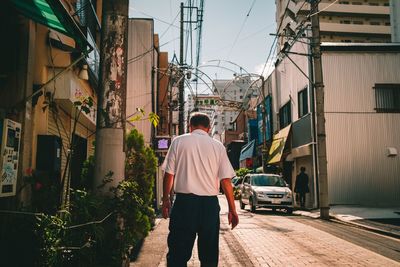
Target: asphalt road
[{"x": 383, "y": 245}]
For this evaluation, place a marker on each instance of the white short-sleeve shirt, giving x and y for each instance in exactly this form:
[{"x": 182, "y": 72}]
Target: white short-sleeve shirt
[{"x": 198, "y": 163}]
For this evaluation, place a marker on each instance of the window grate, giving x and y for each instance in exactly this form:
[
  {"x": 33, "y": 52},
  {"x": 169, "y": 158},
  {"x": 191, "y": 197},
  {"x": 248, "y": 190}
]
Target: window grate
[{"x": 387, "y": 97}]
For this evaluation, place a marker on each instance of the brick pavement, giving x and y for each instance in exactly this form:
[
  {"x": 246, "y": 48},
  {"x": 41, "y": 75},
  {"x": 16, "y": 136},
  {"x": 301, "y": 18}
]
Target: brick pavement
[{"x": 262, "y": 240}]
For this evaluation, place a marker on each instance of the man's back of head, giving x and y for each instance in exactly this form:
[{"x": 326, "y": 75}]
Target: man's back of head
[{"x": 199, "y": 120}]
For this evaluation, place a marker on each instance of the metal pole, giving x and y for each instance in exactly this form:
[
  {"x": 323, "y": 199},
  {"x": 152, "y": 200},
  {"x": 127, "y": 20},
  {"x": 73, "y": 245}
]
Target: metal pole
[
  {"x": 264, "y": 128},
  {"x": 182, "y": 82},
  {"x": 319, "y": 97},
  {"x": 110, "y": 156},
  {"x": 170, "y": 105}
]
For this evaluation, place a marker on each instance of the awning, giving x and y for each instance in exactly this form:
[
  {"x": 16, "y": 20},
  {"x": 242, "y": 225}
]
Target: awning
[
  {"x": 278, "y": 144},
  {"x": 52, "y": 14},
  {"x": 247, "y": 151}
]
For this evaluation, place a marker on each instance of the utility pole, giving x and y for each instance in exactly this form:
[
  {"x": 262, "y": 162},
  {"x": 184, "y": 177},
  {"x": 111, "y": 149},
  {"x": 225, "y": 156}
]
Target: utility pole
[
  {"x": 170, "y": 104},
  {"x": 264, "y": 127},
  {"x": 182, "y": 80},
  {"x": 319, "y": 97},
  {"x": 110, "y": 155}
]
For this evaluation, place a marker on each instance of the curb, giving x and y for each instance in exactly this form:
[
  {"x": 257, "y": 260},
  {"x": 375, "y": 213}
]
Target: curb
[
  {"x": 366, "y": 227},
  {"x": 337, "y": 219}
]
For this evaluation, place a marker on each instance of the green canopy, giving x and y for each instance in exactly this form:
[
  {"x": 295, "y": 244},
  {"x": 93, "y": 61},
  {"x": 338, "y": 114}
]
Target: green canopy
[
  {"x": 41, "y": 12},
  {"x": 52, "y": 14}
]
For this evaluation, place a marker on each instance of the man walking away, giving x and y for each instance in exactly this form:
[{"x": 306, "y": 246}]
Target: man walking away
[
  {"x": 196, "y": 164},
  {"x": 301, "y": 186}
]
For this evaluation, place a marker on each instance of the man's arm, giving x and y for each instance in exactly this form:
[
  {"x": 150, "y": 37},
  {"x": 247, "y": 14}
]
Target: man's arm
[
  {"x": 228, "y": 190},
  {"x": 167, "y": 187}
]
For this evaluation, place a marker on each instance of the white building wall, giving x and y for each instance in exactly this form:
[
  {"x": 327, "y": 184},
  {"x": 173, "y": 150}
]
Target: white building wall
[
  {"x": 139, "y": 84},
  {"x": 230, "y": 90},
  {"x": 290, "y": 81},
  {"x": 395, "y": 20},
  {"x": 359, "y": 171}
]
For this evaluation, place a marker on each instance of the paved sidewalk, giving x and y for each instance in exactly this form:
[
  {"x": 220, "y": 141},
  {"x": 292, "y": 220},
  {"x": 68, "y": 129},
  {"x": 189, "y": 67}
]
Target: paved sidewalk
[{"x": 262, "y": 240}]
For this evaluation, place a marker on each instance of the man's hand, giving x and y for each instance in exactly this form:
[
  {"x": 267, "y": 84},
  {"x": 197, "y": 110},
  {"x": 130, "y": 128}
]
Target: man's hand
[
  {"x": 167, "y": 187},
  {"x": 233, "y": 219},
  {"x": 232, "y": 215},
  {"x": 166, "y": 208}
]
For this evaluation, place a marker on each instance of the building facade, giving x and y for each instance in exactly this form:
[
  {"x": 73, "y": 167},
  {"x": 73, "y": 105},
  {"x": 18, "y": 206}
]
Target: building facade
[
  {"x": 343, "y": 21},
  {"x": 235, "y": 91},
  {"x": 51, "y": 63},
  {"x": 142, "y": 76},
  {"x": 362, "y": 107}
]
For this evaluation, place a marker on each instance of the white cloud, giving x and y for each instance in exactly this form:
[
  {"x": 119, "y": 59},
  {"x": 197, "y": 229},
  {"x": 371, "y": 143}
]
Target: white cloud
[{"x": 268, "y": 68}]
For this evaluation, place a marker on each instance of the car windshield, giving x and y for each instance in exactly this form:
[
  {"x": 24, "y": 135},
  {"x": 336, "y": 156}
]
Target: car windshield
[
  {"x": 264, "y": 180},
  {"x": 238, "y": 181}
]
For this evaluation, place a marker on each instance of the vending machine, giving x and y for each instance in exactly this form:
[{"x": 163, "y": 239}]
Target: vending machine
[{"x": 10, "y": 133}]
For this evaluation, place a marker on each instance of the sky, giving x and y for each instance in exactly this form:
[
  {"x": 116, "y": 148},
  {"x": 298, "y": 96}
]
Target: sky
[{"x": 224, "y": 22}]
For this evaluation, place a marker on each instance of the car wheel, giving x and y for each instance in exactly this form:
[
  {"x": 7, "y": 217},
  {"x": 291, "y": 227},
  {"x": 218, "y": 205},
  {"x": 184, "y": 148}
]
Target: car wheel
[
  {"x": 242, "y": 205},
  {"x": 252, "y": 206},
  {"x": 289, "y": 210}
]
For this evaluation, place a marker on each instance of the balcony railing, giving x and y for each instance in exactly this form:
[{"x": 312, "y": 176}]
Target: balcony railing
[{"x": 93, "y": 58}]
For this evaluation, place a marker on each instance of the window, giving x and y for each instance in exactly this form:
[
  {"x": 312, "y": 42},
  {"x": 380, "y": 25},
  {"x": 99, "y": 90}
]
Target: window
[
  {"x": 285, "y": 115},
  {"x": 303, "y": 102},
  {"x": 345, "y": 21},
  {"x": 358, "y": 22},
  {"x": 387, "y": 23},
  {"x": 387, "y": 97},
  {"x": 375, "y": 23}
]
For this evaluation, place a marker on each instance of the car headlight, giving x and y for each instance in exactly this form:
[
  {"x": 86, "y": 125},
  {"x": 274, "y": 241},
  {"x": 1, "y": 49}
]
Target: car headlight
[
  {"x": 289, "y": 194},
  {"x": 260, "y": 194}
]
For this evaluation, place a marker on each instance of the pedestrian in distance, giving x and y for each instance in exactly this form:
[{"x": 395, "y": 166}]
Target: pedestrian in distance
[
  {"x": 301, "y": 186},
  {"x": 196, "y": 165}
]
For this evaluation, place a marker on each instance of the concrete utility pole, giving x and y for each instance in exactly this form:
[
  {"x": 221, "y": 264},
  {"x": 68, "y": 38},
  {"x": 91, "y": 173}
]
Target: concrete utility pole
[
  {"x": 110, "y": 155},
  {"x": 182, "y": 81},
  {"x": 264, "y": 127},
  {"x": 170, "y": 104},
  {"x": 319, "y": 96}
]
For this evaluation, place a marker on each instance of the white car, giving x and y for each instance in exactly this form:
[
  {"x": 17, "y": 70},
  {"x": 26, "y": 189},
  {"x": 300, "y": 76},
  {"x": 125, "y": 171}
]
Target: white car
[{"x": 267, "y": 191}]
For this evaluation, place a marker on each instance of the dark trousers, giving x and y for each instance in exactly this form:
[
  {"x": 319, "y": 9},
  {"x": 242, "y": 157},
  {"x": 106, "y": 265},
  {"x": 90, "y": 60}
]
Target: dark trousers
[
  {"x": 191, "y": 215},
  {"x": 302, "y": 199}
]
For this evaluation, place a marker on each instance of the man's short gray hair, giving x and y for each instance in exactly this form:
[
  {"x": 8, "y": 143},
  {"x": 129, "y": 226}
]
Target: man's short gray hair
[{"x": 199, "y": 119}]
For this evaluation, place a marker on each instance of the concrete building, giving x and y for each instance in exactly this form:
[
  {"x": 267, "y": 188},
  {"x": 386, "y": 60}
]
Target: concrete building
[
  {"x": 395, "y": 20},
  {"x": 356, "y": 21},
  {"x": 200, "y": 106},
  {"x": 233, "y": 93},
  {"x": 163, "y": 95},
  {"x": 43, "y": 73},
  {"x": 142, "y": 77},
  {"x": 362, "y": 104}
]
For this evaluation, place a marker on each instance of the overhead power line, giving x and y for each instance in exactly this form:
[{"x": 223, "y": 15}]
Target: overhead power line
[
  {"x": 276, "y": 37},
  {"x": 170, "y": 25},
  {"x": 241, "y": 28}
]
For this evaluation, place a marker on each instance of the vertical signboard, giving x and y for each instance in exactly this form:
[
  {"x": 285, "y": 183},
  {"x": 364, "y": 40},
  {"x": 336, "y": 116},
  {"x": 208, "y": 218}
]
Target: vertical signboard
[
  {"x": 268, "y": 120},
  {"x": 11, "y": 136}
]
